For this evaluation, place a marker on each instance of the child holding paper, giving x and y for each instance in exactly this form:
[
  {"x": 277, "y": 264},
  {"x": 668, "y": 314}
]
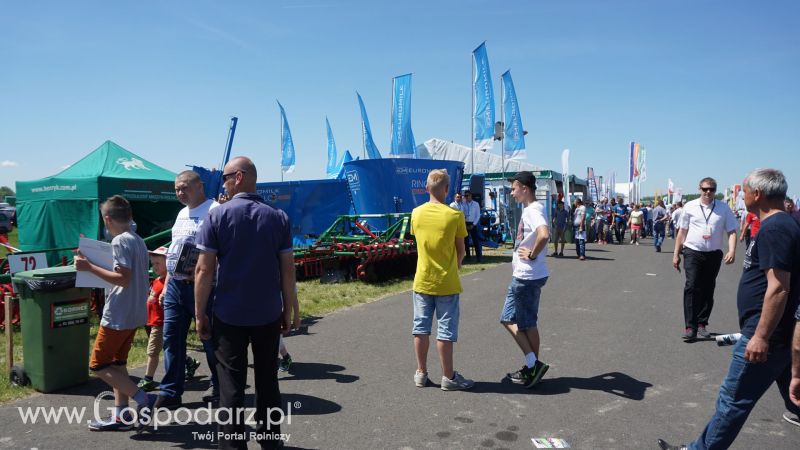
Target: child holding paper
[{"x": 124, "y": 311}]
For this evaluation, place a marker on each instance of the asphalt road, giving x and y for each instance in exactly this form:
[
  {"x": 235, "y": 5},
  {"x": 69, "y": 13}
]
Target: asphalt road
[{"x": 620, "y": 375}]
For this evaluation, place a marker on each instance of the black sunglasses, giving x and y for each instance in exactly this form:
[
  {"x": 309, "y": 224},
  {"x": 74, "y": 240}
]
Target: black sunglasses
[
  {"x": 225, "y": 176},
  {"x": 713, "y": 189}
]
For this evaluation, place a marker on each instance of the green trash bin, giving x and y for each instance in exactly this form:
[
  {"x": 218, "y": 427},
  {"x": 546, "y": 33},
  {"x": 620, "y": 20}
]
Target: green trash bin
[{"x": 55, "y": 328}]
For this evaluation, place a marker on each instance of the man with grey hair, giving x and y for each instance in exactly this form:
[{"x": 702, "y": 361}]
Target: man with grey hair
[
  {"x": 767, "y": 299},
  {"x": 704, "y": 223}
]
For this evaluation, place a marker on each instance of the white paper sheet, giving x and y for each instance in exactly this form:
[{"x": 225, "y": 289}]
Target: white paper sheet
[{"x": 98, "y": 253}]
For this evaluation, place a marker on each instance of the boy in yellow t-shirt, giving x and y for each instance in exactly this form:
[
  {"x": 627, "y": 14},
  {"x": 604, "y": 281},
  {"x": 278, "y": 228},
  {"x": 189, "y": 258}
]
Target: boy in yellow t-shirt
[{"x": 440, "y": 231}]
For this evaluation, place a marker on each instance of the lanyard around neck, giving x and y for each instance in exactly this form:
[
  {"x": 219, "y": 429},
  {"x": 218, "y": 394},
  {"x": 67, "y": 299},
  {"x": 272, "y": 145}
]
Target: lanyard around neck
[{"x": 703, "y": 211}]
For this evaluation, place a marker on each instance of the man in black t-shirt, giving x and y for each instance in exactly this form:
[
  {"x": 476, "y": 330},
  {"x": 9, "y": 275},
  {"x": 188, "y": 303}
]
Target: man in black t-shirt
[{"x": 768, "y": 296}]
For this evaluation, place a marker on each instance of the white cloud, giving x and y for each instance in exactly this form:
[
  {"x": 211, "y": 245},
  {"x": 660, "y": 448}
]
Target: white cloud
[{"x": 8, "y": 163}]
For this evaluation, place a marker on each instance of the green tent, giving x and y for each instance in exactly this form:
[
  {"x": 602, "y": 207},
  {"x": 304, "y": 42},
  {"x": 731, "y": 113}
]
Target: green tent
[{"x": 53, "y": 212}]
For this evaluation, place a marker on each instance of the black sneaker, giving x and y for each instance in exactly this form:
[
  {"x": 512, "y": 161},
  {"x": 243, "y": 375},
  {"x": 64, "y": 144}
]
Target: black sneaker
[
  {"x": 537, "y": 372},
  {"x": 147, "y": 385},
  {"x": 702, "y": 332},
  {"x": 689, "y": 334},
  {"x": 663, "y": 445},
  {"x": 109, "y": 424},
  {"x": 191, "y": 367},
  {"x": 522, "y": 376},
  {"x": 167, "y": 402},
  {"x": 285, "y": 363}
]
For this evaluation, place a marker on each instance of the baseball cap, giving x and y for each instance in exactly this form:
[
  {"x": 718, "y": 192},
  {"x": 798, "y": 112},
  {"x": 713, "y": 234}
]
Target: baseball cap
[
  {"x": 159, "y": 251},
  {"x": 525, "y": 178}
]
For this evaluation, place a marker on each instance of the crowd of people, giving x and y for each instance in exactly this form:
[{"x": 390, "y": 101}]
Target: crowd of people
[
  {"x": 237, "y": 282},
  {"x": 768, "y": 299},
  {"x": 230, "y": 269}
]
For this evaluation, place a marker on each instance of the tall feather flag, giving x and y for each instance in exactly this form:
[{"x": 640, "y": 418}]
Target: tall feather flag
[
  {"x": 514, "y": 134},
  {"x": 340, "y": 168},
  {"x": 483, "y": 99},
  {"x": 592, "y": 185},
  {"x": 332, "y": 168},
  {"x": 403, "y": 145},
  {"x": 642, "y": 164},
  {"x": 287, "y": 145},
  {"x": 635, "y": 162},
  {"x": 370, "y": 148},
  {"x": 630, "y": 163}
]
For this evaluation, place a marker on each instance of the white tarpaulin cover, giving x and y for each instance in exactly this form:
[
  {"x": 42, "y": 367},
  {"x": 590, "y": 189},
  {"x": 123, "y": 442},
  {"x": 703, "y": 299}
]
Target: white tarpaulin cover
[{"x": 484, "y": 162}]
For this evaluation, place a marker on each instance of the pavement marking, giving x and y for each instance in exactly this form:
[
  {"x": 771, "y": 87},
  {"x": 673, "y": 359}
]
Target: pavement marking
[
  {"x": 616, "y": 404},
  {"x": 550, "y": 443},
  {"x": 650, "y": 274}
]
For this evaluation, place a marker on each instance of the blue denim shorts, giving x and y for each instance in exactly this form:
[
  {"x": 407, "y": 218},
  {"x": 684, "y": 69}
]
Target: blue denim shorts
[
  {"x": 447, "y": 315},
  {"x": 522, "y": 303}
]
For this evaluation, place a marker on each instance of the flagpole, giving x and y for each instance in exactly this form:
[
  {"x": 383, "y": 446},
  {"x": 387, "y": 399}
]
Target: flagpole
[
  {"x": 501, "y": 135},
  {"x": 280, "y": 124},
  {"x": 472, "y": 121},
  {"x": 391, "y": 121}
]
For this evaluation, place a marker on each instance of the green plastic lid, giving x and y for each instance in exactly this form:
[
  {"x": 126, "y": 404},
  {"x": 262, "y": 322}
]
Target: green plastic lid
[{"x": 50, "y": 272}]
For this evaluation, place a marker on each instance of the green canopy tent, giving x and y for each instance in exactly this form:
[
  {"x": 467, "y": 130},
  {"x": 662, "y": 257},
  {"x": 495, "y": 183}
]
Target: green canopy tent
[{"x": 53, "y": 212}]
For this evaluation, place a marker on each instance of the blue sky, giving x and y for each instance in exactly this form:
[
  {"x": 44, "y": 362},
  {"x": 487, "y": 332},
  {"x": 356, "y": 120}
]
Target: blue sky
[{"x": 710, "y": 88}]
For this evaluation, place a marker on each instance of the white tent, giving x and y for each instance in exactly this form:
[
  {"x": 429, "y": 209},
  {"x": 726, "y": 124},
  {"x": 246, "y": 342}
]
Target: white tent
[{"x": 484, "y": 162}]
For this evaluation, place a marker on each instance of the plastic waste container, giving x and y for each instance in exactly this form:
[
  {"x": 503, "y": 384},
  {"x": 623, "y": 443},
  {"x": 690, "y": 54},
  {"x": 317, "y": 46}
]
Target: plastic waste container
[{"x": 55, "y": 328}]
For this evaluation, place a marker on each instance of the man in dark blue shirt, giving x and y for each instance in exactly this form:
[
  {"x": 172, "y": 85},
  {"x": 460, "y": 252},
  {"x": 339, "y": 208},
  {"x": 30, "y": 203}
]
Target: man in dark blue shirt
[
  {"x": 255, "y": 300},
  {"x": 768, "y": 296},
  {"x": 620, "y": 220}
]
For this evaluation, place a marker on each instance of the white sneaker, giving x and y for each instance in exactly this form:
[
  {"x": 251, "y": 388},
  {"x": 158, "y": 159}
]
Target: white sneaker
[
  {"x": 792, "y": 418},
  {"x": 458, "y": 383},
  {"x": 421, "y": 378}
]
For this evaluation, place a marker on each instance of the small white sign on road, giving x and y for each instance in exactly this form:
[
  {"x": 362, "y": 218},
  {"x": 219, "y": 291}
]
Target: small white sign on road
[
  {"x": 28, "y": 261},
  {"x": 550, "y": 443}
]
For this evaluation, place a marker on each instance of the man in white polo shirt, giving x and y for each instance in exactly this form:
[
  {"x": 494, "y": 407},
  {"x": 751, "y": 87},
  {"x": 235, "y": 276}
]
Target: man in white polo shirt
[{"x": 703, "y": 226}]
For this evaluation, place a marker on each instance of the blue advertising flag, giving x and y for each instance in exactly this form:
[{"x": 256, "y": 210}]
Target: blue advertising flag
[
  {"x": 287, "y": 146},
  {"x": 514, "y": 136},
  {"x": 483, "y": 94},
  {"x": 331, "y": 169},
  {"x": 403, "y": 145},
  {"x": 631, "y": 162},
  {"x": 369, "y": 145},
  {"x": 347, "y": 157}
]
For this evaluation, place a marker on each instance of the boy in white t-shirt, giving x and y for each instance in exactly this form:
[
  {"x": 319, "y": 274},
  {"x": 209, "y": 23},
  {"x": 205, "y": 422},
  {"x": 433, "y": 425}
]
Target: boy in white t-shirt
[{"x": 521, "y": 308}]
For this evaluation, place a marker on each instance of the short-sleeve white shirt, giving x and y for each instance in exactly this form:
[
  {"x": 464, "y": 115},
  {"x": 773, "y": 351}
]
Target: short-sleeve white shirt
[
  {"x": 532, "y": 218},
  {"x": 718, "y": 216}
]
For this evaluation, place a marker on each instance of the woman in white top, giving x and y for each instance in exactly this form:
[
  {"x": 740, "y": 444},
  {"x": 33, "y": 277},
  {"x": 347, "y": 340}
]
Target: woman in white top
[{"x": 635, "y": 223}]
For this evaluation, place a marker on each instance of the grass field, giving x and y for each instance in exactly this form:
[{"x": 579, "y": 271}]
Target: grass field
[{"x": 316, "y": 300}]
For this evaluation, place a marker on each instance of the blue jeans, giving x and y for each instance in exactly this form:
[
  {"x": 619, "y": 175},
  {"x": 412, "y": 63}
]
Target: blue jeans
[
  {"x": 178, "y": 315},
  {"x": 522, "y": 303},
  {"x": 658, "y": 234},
  {"x": 743, "y": 386},
  {"x": 447, "y": 315},
  {"x": 580, "y": 244}
]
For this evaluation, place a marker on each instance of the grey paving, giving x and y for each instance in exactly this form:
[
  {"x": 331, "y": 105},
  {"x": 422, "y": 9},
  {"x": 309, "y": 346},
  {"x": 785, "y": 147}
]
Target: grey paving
[{"x": 620, "y": 375}]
